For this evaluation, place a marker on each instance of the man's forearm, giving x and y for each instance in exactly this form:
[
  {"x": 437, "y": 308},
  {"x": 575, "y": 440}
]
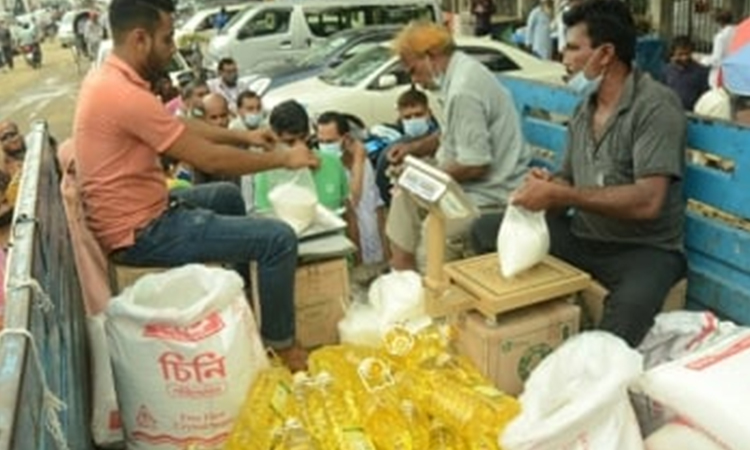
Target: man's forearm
[
  {"x": 425, "y": 146},
  {"x": 629, "y": 202},
  {"x": 462, "y": 173},
  {"x": 217, "y": 135},
  {"x": 229, "y": 161}
]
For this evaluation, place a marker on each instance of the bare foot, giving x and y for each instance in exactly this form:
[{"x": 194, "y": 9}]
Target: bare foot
[{"x": 294, "y": 357}]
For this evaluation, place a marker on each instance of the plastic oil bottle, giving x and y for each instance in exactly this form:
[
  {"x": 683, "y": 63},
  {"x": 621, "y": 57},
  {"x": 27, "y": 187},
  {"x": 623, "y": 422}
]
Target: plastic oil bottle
[
  {"x": 383, "y": 418},
  {"x": 261, "y": 418},
  {"x": 296, "y": 437},
  {"x": 346, "y": 431}
]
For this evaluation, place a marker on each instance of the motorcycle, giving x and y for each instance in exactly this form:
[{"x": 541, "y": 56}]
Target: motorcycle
[{"x": 33, "y": 55}]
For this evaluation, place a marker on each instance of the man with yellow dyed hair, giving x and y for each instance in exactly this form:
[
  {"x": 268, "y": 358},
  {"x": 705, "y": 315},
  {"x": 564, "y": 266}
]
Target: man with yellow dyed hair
[{"x": 481, "y": 145}]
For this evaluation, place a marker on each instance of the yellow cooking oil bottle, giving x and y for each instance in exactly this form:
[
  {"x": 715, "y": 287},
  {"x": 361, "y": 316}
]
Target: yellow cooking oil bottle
[{"x": 260, "y": 422}]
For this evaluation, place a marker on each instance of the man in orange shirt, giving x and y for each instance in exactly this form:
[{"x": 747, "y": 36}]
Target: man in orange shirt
[{"x": 121, "y": 129}]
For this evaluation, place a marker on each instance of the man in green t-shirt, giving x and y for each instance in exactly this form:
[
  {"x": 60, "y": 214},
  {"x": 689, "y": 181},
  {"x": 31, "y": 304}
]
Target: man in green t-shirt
[{"x": 290, "y": 122}]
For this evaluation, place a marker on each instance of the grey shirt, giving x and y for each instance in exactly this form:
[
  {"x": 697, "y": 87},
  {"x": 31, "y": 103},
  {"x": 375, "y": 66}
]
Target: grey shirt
[
  {"x": 646, "y": 136},
  {"x": 482, "y": 128}
]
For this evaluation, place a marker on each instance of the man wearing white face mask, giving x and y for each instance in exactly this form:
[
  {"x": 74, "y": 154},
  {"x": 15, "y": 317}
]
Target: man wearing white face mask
[
  {"x": 250, "y": 114},
  {"x": 421, "y": 138},
  {"x": 481, "y": 143},
  {"x": 621, "y": 175},
  {"x": 337, "y": 136}
]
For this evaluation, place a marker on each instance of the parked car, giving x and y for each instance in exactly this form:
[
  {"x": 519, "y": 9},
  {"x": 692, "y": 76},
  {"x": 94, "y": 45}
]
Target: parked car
[
  {"x": 330, "y": 53},
  {"x": 201, "y": 24},
  {"x": 369, "y": 84},
  {"x": 289, "y": 28}
]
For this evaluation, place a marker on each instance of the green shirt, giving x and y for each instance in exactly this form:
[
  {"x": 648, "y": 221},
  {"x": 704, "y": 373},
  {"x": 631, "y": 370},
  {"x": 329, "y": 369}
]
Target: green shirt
[{"x": 331, "y": 184}]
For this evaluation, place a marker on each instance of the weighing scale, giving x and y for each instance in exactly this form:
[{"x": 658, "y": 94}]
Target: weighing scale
[{"x": 475, "y": 283}]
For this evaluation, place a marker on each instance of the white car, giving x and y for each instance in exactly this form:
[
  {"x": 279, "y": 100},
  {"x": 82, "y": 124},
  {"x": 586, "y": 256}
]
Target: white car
[
  {"x": 368, "y": 84},
  {"x": 202, "y": 23}
]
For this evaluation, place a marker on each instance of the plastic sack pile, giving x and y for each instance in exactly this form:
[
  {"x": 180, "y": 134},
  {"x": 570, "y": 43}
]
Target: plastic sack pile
[{"x": 410, "y": 393}]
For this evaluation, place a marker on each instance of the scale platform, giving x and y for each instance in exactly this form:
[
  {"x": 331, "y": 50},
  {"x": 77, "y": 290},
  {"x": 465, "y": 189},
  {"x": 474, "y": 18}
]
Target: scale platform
[{"x": 492, "y": 294}]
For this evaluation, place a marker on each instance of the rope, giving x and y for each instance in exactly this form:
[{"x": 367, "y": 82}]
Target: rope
[{"x": 51, "y": 404}]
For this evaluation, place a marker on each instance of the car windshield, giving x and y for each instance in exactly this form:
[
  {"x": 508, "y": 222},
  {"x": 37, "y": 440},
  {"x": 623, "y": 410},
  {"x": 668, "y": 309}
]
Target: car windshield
[
  {"x": 321, "y": 52},
  {"x": 359, "y": 67},
  {"x": 235, "y": 18}
]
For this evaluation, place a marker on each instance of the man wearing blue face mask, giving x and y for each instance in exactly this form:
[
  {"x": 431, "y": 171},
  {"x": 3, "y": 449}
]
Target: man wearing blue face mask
[
  {"x": 481, "y": 143},
  {"x": 250, "y": 115},
  {"x": 421, "y": 138},
  {"x": 621, "y": 175}
]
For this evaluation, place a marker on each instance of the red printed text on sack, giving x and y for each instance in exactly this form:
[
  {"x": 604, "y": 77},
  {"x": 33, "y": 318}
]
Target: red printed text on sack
[{"x": 191, "y": 333}]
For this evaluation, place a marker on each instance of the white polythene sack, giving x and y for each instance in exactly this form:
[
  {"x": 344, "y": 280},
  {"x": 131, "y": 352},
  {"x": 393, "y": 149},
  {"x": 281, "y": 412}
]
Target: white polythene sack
[
  {"x": 577, "y": 398},
  {"x": 708, "y": 388},
  {"x": 293, "y": 197},
  {"x": 673, "y": 335},
  {"x": 397, "y": 296},
  {"x": 106, "y": 427},
  {"x": 185, "y": 350},
  {"x": 679, "y": 435},
  {"x": 523, "y": 240},
  {"x": 360, "y": 326}
]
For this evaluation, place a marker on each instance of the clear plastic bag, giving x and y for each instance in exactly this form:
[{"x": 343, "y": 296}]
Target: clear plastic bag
[
  {"x": 523, "y": 240},
  {"x": 293, "y": 197}
]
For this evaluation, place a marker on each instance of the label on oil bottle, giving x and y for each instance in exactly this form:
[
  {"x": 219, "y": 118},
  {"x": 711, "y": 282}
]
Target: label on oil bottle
[{"x": 356, "y": 439}]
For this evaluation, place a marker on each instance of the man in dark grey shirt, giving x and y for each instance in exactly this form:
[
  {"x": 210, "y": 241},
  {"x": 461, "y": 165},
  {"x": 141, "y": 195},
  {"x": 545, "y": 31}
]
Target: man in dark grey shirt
[{"x": 622, "y": 174}]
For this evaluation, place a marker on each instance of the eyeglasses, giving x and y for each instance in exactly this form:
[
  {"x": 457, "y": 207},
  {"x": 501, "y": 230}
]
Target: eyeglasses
[{"x": 8, "y": 135}]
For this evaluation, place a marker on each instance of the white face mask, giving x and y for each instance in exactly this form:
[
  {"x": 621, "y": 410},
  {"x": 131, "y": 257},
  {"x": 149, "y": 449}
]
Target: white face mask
[
  {"x": 331, "y": 148},
  {"x": 583, "y": 85},
  {"x": 253, "y": 120},
  {"x": 416, "y": 127},
  {"x": 438, "y": 79}
]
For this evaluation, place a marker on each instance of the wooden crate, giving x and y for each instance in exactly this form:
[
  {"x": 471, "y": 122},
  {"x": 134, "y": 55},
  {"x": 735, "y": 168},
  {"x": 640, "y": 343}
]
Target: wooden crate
[{"x": 493, "y": 294}]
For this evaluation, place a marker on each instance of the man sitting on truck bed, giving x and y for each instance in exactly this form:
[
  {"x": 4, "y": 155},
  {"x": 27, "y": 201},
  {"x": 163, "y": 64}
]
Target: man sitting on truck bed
[
  {"x": 622, "y": 173},
  {"x": 123, "y": 186}
]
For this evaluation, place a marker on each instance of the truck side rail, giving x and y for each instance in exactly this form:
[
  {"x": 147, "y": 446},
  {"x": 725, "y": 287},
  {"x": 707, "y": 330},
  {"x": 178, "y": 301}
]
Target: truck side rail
[{"x": 40, "y": 271}]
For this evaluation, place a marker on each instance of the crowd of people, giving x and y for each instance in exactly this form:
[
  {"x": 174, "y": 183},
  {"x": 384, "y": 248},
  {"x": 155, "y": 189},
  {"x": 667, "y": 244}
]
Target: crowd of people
[{"x": 182, "y": 174}]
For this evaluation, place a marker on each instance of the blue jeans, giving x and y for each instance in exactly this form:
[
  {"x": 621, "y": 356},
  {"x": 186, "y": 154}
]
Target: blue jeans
[{"x": 207, "y": 224}]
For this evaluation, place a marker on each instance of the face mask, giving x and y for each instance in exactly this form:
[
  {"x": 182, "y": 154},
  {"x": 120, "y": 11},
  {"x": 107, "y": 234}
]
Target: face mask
[
  {"x": 416, "y": 127},
  {"x": 331, "y": 148},
  {"x": 437, "y": 78},
  {"x": 584, "y": 86},
  {"x": 253, "y": 120}
]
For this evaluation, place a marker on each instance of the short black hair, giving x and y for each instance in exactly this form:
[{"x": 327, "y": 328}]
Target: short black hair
[
  {"x": 682, "y": 41},
  {"x": 723, "y": 17},
  {"x": 342, "y": 124},
  {"x": 607, "y": 22},
  {"x": 289, "y": 117},
  {"x": 223, "y": 62},
  {"x": 126, "y": 15},
  {"x": 246, "y": 95},
  {"x": 412, "y": 97}
]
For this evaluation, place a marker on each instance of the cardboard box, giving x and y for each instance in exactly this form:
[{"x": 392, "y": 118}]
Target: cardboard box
[
  {"x": 592, "y": 301},
  {"x": 507, "y": 352},
  {"x": 322, "y": 295}
]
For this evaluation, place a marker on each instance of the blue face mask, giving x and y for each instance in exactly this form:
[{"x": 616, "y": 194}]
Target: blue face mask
[
  {"x": 253, "y": 120},
  {"x": 438, "y": 79},
  {"x": 416, "y": 127},
  {"x": 331, "y": 148},
  {"x": 584, "y": 86}
]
